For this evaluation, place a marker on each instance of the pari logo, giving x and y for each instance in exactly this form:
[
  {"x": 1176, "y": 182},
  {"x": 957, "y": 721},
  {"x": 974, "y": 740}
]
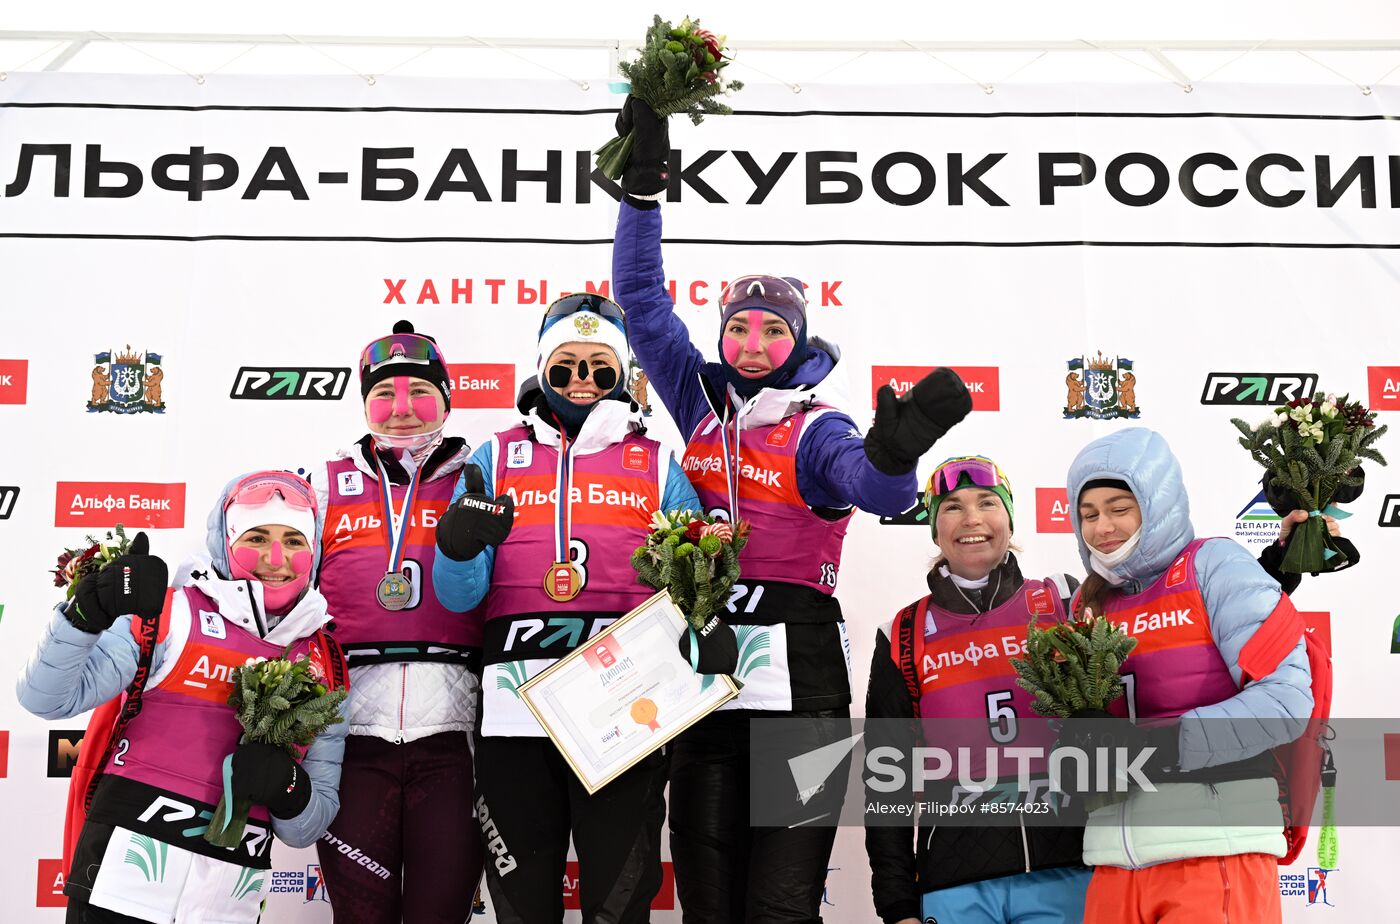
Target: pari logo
[
  {"x": 14, "y": 381},
  {"x": 127, "y": 382},
  {"x": 1385, "y": 387},
  {"x": 300, "y": 383},
  {"x": 1100, "y": 388},
  {"x": 9, "y": 494},
  {"x": 916, "y": 515},
  {"x": 1390, "y": 509},
  {"x": 134, "y": 504},
  {"x": 983, "y": 382},
  {"x": 1052, "y": 511},
  {"x": 1256, "y": 524},
  {"x": 1257, "y": 388},
  {"x": 482, "y": 384}
]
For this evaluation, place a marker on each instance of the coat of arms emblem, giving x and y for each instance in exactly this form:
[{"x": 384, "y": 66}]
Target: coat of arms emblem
[
  {"x": 1100, "y": 388},
  {"x": 127, "y": 382}
]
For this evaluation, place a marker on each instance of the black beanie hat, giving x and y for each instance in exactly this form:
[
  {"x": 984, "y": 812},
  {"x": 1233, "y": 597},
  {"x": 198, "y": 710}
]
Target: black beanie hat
[{"x": 431, "y": 371}]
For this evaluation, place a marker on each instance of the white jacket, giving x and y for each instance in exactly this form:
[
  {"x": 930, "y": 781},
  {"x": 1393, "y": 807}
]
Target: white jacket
[{"x": 405, "y": 701}]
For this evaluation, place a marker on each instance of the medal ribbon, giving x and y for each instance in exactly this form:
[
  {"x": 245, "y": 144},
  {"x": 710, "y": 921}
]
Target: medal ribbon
[
  {"x": 396, "y": 537},
  {"x": 563, "y": 507},
  {"x": 731, "y": 462}
]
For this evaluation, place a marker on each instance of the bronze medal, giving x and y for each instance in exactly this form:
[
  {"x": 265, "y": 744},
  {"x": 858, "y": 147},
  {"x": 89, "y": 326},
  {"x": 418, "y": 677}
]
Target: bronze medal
[
  {"x": 395, "y": 590},
  {"x": 563, "y": 581}
]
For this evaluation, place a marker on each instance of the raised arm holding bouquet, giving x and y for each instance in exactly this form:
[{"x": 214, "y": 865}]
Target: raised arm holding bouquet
[{"x": 1310, "y": 449}]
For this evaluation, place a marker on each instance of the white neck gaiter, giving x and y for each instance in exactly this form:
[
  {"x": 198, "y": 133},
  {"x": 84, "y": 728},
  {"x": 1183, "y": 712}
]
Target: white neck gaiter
[{"x": 1104, "y": 564}]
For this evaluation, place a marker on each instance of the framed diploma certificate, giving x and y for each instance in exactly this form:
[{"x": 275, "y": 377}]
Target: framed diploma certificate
[{"x": 624, "y": 693}]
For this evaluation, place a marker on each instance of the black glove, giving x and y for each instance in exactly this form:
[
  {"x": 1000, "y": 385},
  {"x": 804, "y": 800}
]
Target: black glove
[
  {"x": 1091, "y": 729},
  {"x": 646, "y": 173},
  {"x": 719, "y": 648},
  {"x": 907, "y": 426},
  {"x": 474, "y": 520},
  {"x": 269, "y": 776},
  {"x": 132, "y": 584}
]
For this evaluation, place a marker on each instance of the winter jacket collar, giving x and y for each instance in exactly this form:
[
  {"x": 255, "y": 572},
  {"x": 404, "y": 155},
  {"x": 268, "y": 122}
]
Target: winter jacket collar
[
  {"x": 820, "y": 380},
  {"x": 444, "y": 461},
  {"x": 241, "y": 602}
]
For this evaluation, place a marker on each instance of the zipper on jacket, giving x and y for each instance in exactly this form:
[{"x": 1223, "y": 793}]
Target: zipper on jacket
[
  {"x": 1025, "y": 842},
  {"x": 1225, "y": 890},
  {"x": 403, "y": 696},
  {"x": 1127, "y": 848}
]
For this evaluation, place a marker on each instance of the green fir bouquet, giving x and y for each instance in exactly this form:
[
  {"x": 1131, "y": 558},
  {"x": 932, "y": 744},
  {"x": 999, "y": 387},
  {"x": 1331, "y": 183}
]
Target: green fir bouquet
[
  {"x": 1072, "y": 666},
  {"x": 1310, "y": 446},
  {"x": 679, "y": 71},
  {"x": 281, "y": 702},
  {"x": 695, "y": 557}
]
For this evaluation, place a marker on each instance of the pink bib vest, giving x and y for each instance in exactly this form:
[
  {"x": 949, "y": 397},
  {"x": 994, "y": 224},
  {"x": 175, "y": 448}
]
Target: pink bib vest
[
  {"x": 186, "y": 727},
  {"x": 614, "y": 493},
  {"x": 790, "y": 543},
  {"x": 354, "y": 558},
  {"x": 963, "y": 670},
  {"x": 1176, "y": 666}
]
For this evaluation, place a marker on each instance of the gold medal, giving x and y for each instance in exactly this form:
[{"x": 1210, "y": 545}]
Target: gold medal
[
  {"x": 395, "y": 590},
  {"x": 563, "y": 581}
]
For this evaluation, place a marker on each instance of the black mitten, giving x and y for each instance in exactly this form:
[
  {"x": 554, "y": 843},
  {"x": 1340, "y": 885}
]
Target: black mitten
[
  {"x": 269, "y": 776},
  {"x": 646, "y": 174},
  {"x": 719, "y": 648},
  {"x": 906, "y": 427},
  {"x": 132, "y": 584},
  {"x": 475, "y": 520}
]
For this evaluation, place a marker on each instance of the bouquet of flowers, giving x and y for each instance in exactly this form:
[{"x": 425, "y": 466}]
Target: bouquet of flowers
[
  {"x": 76, "y": 564},
  {"x": 280, "y": 702},
  {"x": 678, "y": 72},
  {"x": 695, "y": 557},
  {"x": 1072, "y": 666},
  {"x": 1309, "y": 447}
]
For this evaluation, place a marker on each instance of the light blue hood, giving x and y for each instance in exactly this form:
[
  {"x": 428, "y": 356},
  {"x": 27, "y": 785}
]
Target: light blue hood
[
  {"x": 1141, "y": 458},
  {"x": 217, "y": 523}
]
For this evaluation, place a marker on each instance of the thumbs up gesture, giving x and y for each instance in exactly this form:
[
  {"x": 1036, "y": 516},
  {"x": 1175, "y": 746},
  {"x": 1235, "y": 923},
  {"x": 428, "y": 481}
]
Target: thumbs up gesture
[
  {"x": 133, "y": 584},
  {"x": 475, "y": 519}
]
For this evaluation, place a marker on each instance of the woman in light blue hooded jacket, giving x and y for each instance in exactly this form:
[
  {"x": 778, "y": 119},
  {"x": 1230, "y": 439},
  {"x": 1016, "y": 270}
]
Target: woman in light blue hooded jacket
[
  {"x": 141, "y": 855},
  {"x": 1204, "y": 846}
]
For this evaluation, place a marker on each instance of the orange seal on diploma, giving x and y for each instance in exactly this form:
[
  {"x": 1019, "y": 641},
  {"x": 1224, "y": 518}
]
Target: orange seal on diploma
[{"x": 644, "y": 713}]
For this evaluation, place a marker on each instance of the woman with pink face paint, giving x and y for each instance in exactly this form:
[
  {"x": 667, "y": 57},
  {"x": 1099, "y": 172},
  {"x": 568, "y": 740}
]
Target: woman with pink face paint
[
  {"x": 407, "y": 791},
  {"x": 251, "y": 596},
  {"x": 770, "y": 441}
]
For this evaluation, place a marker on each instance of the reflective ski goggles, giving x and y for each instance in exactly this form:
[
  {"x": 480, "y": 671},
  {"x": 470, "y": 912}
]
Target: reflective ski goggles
[
  {"x": 762, "y": 290},
  {"x": 258, "y": 488},
  {"x": 412, "y": 347},
  {"x": 979, "y": 471},
  {"x": 583, "y": 301}
]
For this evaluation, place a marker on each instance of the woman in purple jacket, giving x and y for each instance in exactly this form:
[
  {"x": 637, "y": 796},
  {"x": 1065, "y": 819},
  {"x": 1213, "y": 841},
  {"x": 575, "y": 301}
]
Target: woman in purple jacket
[{"x": 767, "y": 443}]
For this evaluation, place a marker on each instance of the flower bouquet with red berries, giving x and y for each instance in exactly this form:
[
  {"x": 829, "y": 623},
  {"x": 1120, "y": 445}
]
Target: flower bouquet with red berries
[
  {"x": 76, "y": 564},
  {"x": 1311, "y": 447},
  {"x": 679, "y": 71},
  {"x": 695, "y": 557}
]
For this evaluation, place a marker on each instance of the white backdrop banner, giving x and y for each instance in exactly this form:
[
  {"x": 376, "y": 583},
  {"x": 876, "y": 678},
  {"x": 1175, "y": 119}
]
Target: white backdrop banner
[{"x": 1228, "y": 248}]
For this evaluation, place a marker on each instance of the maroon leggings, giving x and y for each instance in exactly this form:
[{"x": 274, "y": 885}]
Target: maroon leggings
[{"x": 404, "y": 846}]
